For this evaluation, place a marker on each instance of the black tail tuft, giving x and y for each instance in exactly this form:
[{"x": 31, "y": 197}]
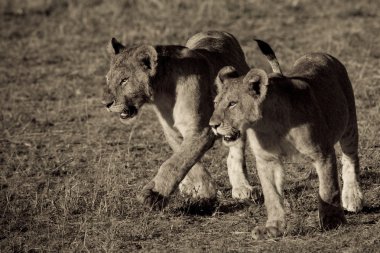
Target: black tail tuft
[{"x": 266, "y": 49}]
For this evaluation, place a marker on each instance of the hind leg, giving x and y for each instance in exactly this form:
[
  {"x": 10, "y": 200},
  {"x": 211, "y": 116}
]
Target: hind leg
[
  {"x": 352, "y": 196},
  {"x": 198, "y": 184},
  {"x": 237, "y": 172},
  {"x": 331, "y": 213}
]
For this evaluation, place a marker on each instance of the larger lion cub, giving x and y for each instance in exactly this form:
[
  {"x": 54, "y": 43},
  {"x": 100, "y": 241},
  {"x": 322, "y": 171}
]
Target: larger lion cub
[
  {"x": 307, "y": 111},
  {"x": 178, "y": 81}
]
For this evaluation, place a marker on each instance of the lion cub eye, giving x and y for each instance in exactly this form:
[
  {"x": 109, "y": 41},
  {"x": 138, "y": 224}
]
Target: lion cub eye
[
  {"x": 232, "y": 104},
  {"x": 123, "y": 81}
]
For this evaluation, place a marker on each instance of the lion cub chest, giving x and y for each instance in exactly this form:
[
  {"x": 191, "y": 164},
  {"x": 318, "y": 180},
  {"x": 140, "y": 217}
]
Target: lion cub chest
[{"x": 295, "y": 143}]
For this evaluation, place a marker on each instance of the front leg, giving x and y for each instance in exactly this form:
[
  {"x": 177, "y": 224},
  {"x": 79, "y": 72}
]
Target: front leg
[
  {"x": 237, "y": 172},
  {"x": 331, "y": 213},
  {"x": 271, "y": 176},
  {"x": 198, "y": 183},
  {"x": 172, "y": 171}
]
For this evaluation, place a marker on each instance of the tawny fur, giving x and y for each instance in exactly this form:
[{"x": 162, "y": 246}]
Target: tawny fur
[
  {"x": 178, "y": 82},
  {"x": 307, "y": 111}
]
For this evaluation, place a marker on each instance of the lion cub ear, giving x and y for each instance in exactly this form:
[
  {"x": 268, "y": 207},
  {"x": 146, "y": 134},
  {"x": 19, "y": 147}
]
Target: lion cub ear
[
  {"x": 116, "y": 45},
  {"x": 257, "y": 81},
  {"x": 146, "y": 57},
  {"x": 225, "y": 73}
]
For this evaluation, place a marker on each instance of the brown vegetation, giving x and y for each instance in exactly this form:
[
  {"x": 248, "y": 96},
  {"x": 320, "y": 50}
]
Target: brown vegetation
[{"x": 70, "y": 172}]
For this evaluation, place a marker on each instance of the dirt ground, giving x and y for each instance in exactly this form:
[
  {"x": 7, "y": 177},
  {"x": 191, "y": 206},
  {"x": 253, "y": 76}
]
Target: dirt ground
[{"x": 70, "y": 171}]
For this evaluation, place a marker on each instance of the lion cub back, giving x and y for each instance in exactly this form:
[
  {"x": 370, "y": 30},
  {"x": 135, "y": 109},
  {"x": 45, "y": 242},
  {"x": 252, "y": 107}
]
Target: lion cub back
[
  {"x": 220, "y": 48},
  {"x": 332, "y": 91}
]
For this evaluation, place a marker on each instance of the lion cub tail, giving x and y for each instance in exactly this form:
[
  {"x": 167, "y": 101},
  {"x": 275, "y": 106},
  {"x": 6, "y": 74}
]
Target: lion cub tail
[{"x": 271, "y": 56}]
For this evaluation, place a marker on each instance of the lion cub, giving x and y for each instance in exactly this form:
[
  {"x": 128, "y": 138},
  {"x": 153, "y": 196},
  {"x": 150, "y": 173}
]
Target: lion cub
[
  {"x": 307, "y": 111},
  {"x": 178, "y": 82}
]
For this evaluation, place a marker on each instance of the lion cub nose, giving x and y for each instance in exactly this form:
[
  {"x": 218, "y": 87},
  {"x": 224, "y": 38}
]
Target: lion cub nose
[
  {"x": 214, "y": 124},
  {"x": 108, "y": 104}
]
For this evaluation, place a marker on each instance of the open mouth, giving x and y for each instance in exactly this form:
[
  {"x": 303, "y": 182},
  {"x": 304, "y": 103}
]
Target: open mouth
[
  {"x": 232, "y": 137},
  {"x": 128, "y": 112}
]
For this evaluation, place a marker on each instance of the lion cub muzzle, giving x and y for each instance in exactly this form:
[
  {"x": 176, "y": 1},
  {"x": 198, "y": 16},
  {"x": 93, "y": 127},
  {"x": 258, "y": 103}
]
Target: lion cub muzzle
[
  {"x": 126, "y": 112},
  {"x": 229, "y": 134},
  {"x": 232, "y": 137}
]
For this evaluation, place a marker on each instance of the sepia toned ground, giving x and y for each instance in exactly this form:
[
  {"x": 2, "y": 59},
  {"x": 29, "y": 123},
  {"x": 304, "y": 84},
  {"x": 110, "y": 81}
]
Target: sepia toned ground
[{"x": 70, "y": 171}]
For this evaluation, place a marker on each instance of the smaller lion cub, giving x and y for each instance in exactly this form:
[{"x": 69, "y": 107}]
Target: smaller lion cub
[{"x": 306, "y": 111}]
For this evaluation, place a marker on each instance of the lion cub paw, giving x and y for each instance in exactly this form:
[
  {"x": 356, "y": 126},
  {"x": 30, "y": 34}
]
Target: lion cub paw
[
  {"x": 151, "y": 198},
  {"x": 352, "y": 198},
  {"x": 263, "y": 233},
  {"x": 247, "y": 192}
]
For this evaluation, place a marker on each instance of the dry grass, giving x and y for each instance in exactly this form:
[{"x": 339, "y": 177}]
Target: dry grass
[{"x": 69, "y": 172}]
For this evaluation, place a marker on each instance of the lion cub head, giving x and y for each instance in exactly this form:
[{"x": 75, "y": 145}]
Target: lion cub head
[
  {"x": 238, "y": 102},
  {"x": 129, "y": 79}
]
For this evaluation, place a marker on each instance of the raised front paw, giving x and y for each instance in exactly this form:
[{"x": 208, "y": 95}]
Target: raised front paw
[
  {"x": 352, "y": 198},
  {"x": 273, "y": 229},
  {"x": 247, "y": 192},
  {"x": 330, "y": 216},
  {"x": 151, "y": 198}
]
